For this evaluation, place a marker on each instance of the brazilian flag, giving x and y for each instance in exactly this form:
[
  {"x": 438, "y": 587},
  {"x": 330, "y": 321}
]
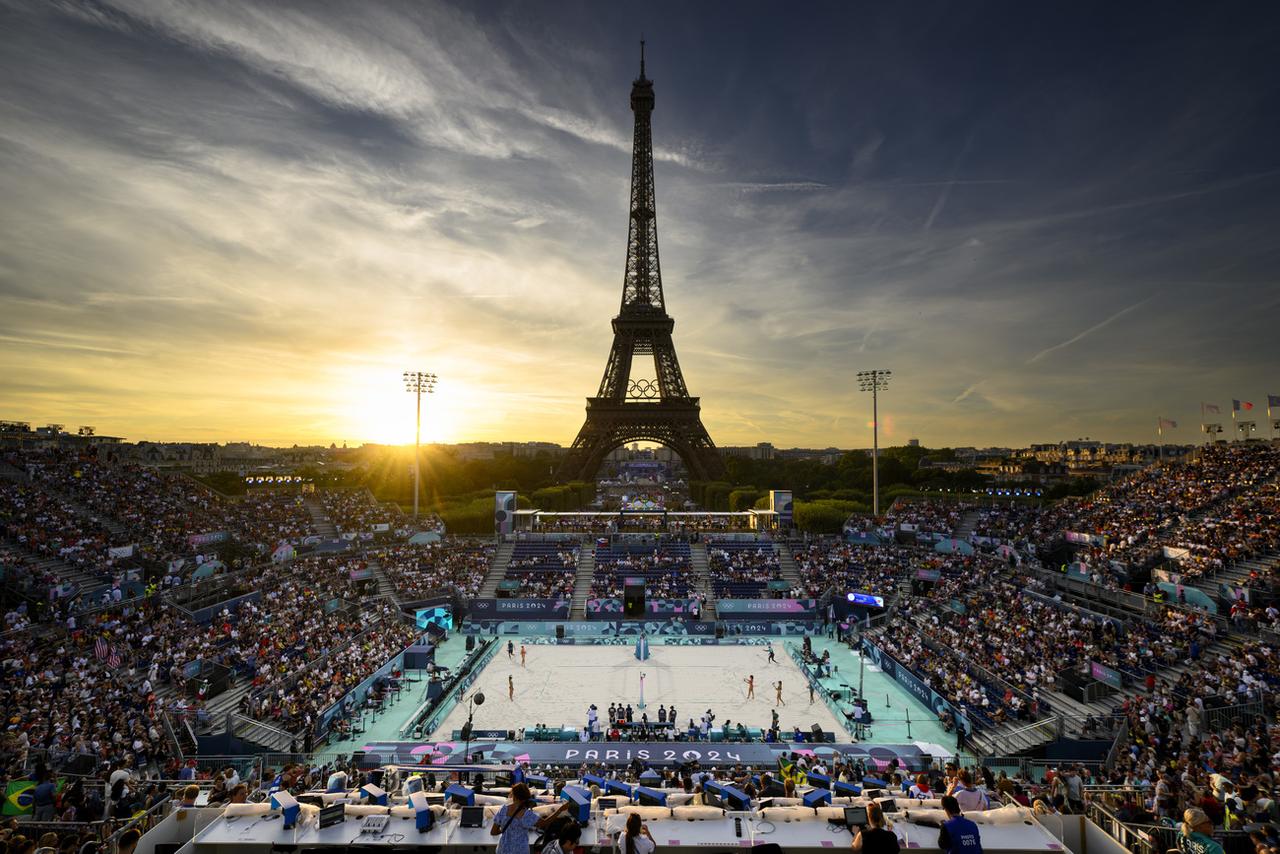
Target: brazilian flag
[{"x": 18, "y": 797}]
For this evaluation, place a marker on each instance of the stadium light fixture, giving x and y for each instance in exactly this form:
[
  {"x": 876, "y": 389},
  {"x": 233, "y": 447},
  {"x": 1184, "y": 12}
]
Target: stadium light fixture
[
  {"x": 874, "y": 381},
  {"x": 417, "y": 382}
]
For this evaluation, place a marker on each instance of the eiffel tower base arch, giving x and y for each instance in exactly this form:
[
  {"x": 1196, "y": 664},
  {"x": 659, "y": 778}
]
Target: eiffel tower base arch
[{"x": 610, "y": 425}]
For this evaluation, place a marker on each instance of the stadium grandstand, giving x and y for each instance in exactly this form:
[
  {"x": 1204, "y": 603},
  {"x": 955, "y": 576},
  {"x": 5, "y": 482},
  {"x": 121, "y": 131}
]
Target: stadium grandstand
[{"x": 1112, "y": 657}]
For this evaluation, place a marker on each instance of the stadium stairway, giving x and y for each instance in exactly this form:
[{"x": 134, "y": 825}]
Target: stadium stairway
[
  {"x": 1015, "y": 737},
  {"x": 964, "y": 530},
  {"x": 497, "y": 569},
  {"x": 700, "y": 567},
  {"x": 320, "y": 518},
  {"x": 265, "y": 735},
  {"x": 1238, "y": 573},
  {"x": 386, "y": 589},
  {"x": 787, "y": 562},
  {"x": 218, "y": 707},
  {"x": 80, "y": 578},
  {"x": 582, "y": 581},
  {"x": 119, "y": 533}
]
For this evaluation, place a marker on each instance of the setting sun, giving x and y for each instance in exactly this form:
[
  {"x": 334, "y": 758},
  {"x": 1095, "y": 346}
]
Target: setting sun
[{"x": 383, "y": 412}]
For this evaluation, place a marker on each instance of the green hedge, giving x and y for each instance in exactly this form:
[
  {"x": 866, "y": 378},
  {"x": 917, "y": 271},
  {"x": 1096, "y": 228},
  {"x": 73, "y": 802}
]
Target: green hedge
[{"x": 825, "y": 516}]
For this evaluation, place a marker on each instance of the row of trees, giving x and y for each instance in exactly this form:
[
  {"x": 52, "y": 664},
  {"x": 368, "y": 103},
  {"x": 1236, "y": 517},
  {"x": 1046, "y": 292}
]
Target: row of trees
[{"x": 461, "y": 490}]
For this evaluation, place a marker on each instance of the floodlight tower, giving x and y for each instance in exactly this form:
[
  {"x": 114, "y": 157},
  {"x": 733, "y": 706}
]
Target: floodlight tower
[
  {"x": 873, "y": 381},
  {"x": 417, "y": 382}
]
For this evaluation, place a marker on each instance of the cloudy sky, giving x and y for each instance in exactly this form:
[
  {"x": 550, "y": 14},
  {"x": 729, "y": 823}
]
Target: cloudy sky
[{"x": 230, "y": 220}]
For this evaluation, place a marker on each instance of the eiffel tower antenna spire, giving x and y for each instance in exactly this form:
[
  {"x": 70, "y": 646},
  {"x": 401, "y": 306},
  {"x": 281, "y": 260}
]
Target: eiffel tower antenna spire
[{"x": 642, "y": 395}]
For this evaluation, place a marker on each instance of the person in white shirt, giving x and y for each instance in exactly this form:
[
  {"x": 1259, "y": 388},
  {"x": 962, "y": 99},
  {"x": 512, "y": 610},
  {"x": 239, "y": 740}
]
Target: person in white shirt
[
  {"x": 969, "y": 797},
  {"x": 636, "y": 839}
]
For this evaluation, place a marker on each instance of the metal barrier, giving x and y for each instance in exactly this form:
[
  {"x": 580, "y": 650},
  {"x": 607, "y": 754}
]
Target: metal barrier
[
  {"x": 143, "y": 822},
  {"x": 1222, "y": 718},
  {"x": 1049, "y": 728},
  {"x": 1135, "y": 838},
  {"x": 1104, "y": 597},
  {"x": 66, "y": 763},
  {"x": 255, "y": 727},
  {"x": 1118, "y": 744}
]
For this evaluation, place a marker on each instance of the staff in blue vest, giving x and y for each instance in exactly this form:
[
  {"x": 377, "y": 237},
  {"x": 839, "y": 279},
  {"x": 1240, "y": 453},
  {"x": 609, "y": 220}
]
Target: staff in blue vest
[{"x": 959, "y": 835}]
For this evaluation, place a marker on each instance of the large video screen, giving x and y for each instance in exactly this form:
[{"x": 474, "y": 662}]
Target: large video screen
[{"x": 441, "y": 615}]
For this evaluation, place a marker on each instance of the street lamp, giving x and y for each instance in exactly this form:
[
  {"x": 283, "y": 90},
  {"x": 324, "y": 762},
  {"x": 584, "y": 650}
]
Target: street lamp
[
  {"x": 416, "y": 382},
  {"x": 873, "y": 381}
]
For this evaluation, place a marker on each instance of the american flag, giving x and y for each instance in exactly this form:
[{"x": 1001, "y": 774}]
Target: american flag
[
  {"x": 115, "y": 659},
  {"x": 100, "y": 648},
  {"x": 1210, "y": 408}
]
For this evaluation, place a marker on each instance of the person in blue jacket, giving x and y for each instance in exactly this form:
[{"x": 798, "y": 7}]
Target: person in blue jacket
[{"x": 959, "y": 835}]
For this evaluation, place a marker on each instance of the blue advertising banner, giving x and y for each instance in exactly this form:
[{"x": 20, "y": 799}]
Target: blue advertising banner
[
  {"x": 755, "y": 609},
  {"x": 930, "y": 698},
  {"x": 1105, "y": 675},
  {"x": 909, "y": 756},
  {"x": 528, "y": 609},
  {"x": 672, "y": 628}
]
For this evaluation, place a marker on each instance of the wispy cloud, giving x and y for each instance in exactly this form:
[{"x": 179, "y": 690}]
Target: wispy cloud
[
  {"x": 968, "y": 392},
  {"x": 243, "y": 220},
  {"x": 1075, "y": 339}
]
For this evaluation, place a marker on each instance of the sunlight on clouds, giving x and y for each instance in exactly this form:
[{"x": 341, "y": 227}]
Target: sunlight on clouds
[{"x": 250, "y": 218}]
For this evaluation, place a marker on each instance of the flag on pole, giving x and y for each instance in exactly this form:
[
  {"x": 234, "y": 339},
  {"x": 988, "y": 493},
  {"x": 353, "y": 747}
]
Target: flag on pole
[
  {"x": 1241, "y": 406},
  {"x": 100, "y": 649},
  {"x": 1273, "y": 400},
  {"x": 1166, "y": 424},
  {"x": 1207, "y": 408}
]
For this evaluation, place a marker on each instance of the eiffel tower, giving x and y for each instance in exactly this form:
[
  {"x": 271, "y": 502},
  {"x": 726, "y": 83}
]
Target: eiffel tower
[{"x": 635, "y": 405}]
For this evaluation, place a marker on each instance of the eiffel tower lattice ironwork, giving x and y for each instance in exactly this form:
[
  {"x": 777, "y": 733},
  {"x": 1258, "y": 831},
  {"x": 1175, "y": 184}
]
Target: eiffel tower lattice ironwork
[{"x": 634, "y": 405}]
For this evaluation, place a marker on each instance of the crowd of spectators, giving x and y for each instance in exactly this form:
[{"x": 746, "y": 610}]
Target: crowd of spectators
[
  {"x": 453, "y": 566},
  {"x": 665, "y": 568},
  {"x": 929, "y": 516},
  {"x": 356, "y": 512},
  {"x": 1194, "y": 744},
  {"x": 544, "y": 570},
  {"x": 61, "y": 699},
  {"x": 827, "y": 564},
  {"x": 38, "y": 588},
  {"x": 1017, "y": 524},
  {"x": 742, "y": 570},
  {"x": 48, "y": 526},
  {"x": 322, "y": 660},
  {"x": 1136, "y": 516},
  {"x": 1243, "y": 527}
]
